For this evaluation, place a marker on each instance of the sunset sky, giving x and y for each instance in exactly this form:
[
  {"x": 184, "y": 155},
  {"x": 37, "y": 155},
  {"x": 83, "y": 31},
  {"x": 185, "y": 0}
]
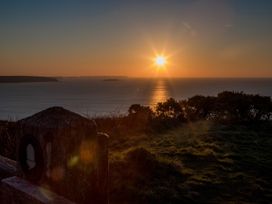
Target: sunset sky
[{"x": 200, "y": 38}]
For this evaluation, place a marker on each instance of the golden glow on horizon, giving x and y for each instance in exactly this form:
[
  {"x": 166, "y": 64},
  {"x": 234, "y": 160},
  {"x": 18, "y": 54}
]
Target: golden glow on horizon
[{"x": 181, "y": 39}]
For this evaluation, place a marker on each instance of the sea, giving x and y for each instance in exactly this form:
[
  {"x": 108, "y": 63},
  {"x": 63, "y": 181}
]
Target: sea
[{"x": 103, "y": 96}]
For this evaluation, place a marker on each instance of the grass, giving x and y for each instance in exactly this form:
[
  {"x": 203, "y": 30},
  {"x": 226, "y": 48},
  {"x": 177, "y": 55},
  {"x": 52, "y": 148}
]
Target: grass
[
  {"x": 198, "y": 162},
  {"x": 201, "y": 162}
]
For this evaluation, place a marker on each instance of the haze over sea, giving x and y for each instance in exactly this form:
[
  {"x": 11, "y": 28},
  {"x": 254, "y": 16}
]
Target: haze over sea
[{"x": 98, "y": 96}]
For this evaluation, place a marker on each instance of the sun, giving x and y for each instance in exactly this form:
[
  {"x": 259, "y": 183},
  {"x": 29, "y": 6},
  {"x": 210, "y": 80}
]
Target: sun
[{"x": 160, "y": 60}]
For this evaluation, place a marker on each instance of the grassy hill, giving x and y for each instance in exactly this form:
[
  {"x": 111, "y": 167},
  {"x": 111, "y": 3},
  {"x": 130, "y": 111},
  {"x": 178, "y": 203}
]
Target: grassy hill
[
  {"x": 200, "y": 162},
  {"x": 197, "y": 162}
]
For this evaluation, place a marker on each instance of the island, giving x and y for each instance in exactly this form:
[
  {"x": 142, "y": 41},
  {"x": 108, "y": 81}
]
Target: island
[
  {"x": 26, "y": 79},
  {"x": 111, "y": 79}
]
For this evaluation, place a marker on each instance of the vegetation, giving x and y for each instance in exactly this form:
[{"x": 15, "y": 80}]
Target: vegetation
[
  {"x": 200, "y": 150},
  {"x": 7, "y": 139},
  {"x": 199, "y": 162},
  {"x": 226, "y": 107}
]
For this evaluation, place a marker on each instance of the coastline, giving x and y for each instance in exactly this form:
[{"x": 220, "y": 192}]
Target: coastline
[{"x": 26, "y": 79}]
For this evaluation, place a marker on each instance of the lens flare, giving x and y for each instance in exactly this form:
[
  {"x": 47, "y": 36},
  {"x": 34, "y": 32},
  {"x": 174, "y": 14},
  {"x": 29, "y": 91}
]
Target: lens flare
[{"x": 160, "y": 61}]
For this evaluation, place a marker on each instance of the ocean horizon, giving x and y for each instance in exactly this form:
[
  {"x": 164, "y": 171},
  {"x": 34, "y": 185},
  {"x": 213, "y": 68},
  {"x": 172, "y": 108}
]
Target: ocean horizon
[{"x": 113, "y": 95}]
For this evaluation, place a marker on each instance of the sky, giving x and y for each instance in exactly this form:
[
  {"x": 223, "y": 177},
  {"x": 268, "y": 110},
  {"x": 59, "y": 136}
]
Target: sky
[{"x": 200, "y": 38}]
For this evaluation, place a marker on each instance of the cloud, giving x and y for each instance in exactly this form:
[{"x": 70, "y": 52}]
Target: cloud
[{"x": 189, "y": 29}]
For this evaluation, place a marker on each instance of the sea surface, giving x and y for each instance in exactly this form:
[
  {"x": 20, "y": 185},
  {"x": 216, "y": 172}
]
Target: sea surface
[{"x": 102, "y": 96}]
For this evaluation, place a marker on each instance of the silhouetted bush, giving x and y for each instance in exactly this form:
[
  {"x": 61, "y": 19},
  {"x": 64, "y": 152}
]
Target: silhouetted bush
[
  {"x": 169, "y": 109},
  {"x": 168, "y": 114},
  {"x": 231, "y": 106},
  {"x": 139, "y": 117},
  {"x": 261, "y": 108},
  {"x": 226, "y": 106},
  {"x": 199, "y": 107},
  {"x": 237, "y": 107}
]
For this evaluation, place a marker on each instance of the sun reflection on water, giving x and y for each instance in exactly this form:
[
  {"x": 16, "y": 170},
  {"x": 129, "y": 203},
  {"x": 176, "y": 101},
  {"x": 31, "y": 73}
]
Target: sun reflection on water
[{"x": 160, "y": 92}]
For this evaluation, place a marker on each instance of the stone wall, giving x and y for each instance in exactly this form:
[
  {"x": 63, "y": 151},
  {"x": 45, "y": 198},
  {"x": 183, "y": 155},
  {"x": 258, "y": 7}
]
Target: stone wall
[{"x": 69, "y": 157}]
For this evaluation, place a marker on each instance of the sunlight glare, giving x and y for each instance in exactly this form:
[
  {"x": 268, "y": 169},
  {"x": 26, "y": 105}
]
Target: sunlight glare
[{"x": 160, "y": 61}]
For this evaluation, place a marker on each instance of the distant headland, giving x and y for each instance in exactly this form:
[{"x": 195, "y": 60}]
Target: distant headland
[
  {"x": 26, "y": 79},
  {"x": 111, "y": 79}
]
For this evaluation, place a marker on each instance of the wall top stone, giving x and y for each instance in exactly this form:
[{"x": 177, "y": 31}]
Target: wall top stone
[{"x": 56, "y": 118}]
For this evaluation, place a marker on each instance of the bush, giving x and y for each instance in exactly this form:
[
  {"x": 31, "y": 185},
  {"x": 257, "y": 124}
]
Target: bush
[{"x": 139, "y": 117}]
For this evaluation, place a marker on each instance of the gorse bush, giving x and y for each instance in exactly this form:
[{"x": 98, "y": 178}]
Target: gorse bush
[{"x": 226, "y": 106}]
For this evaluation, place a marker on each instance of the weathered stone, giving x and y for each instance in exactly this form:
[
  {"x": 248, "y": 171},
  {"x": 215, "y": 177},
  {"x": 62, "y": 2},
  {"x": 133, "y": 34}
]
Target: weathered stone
[
  {"x": 63, "y": 150},
  {"x": 14, "y": 190},
  {"x": 7, "y": 167}
]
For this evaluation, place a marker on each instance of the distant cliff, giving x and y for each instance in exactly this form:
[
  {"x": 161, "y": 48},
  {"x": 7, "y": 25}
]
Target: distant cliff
[{"x": 21, "y": 79}]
